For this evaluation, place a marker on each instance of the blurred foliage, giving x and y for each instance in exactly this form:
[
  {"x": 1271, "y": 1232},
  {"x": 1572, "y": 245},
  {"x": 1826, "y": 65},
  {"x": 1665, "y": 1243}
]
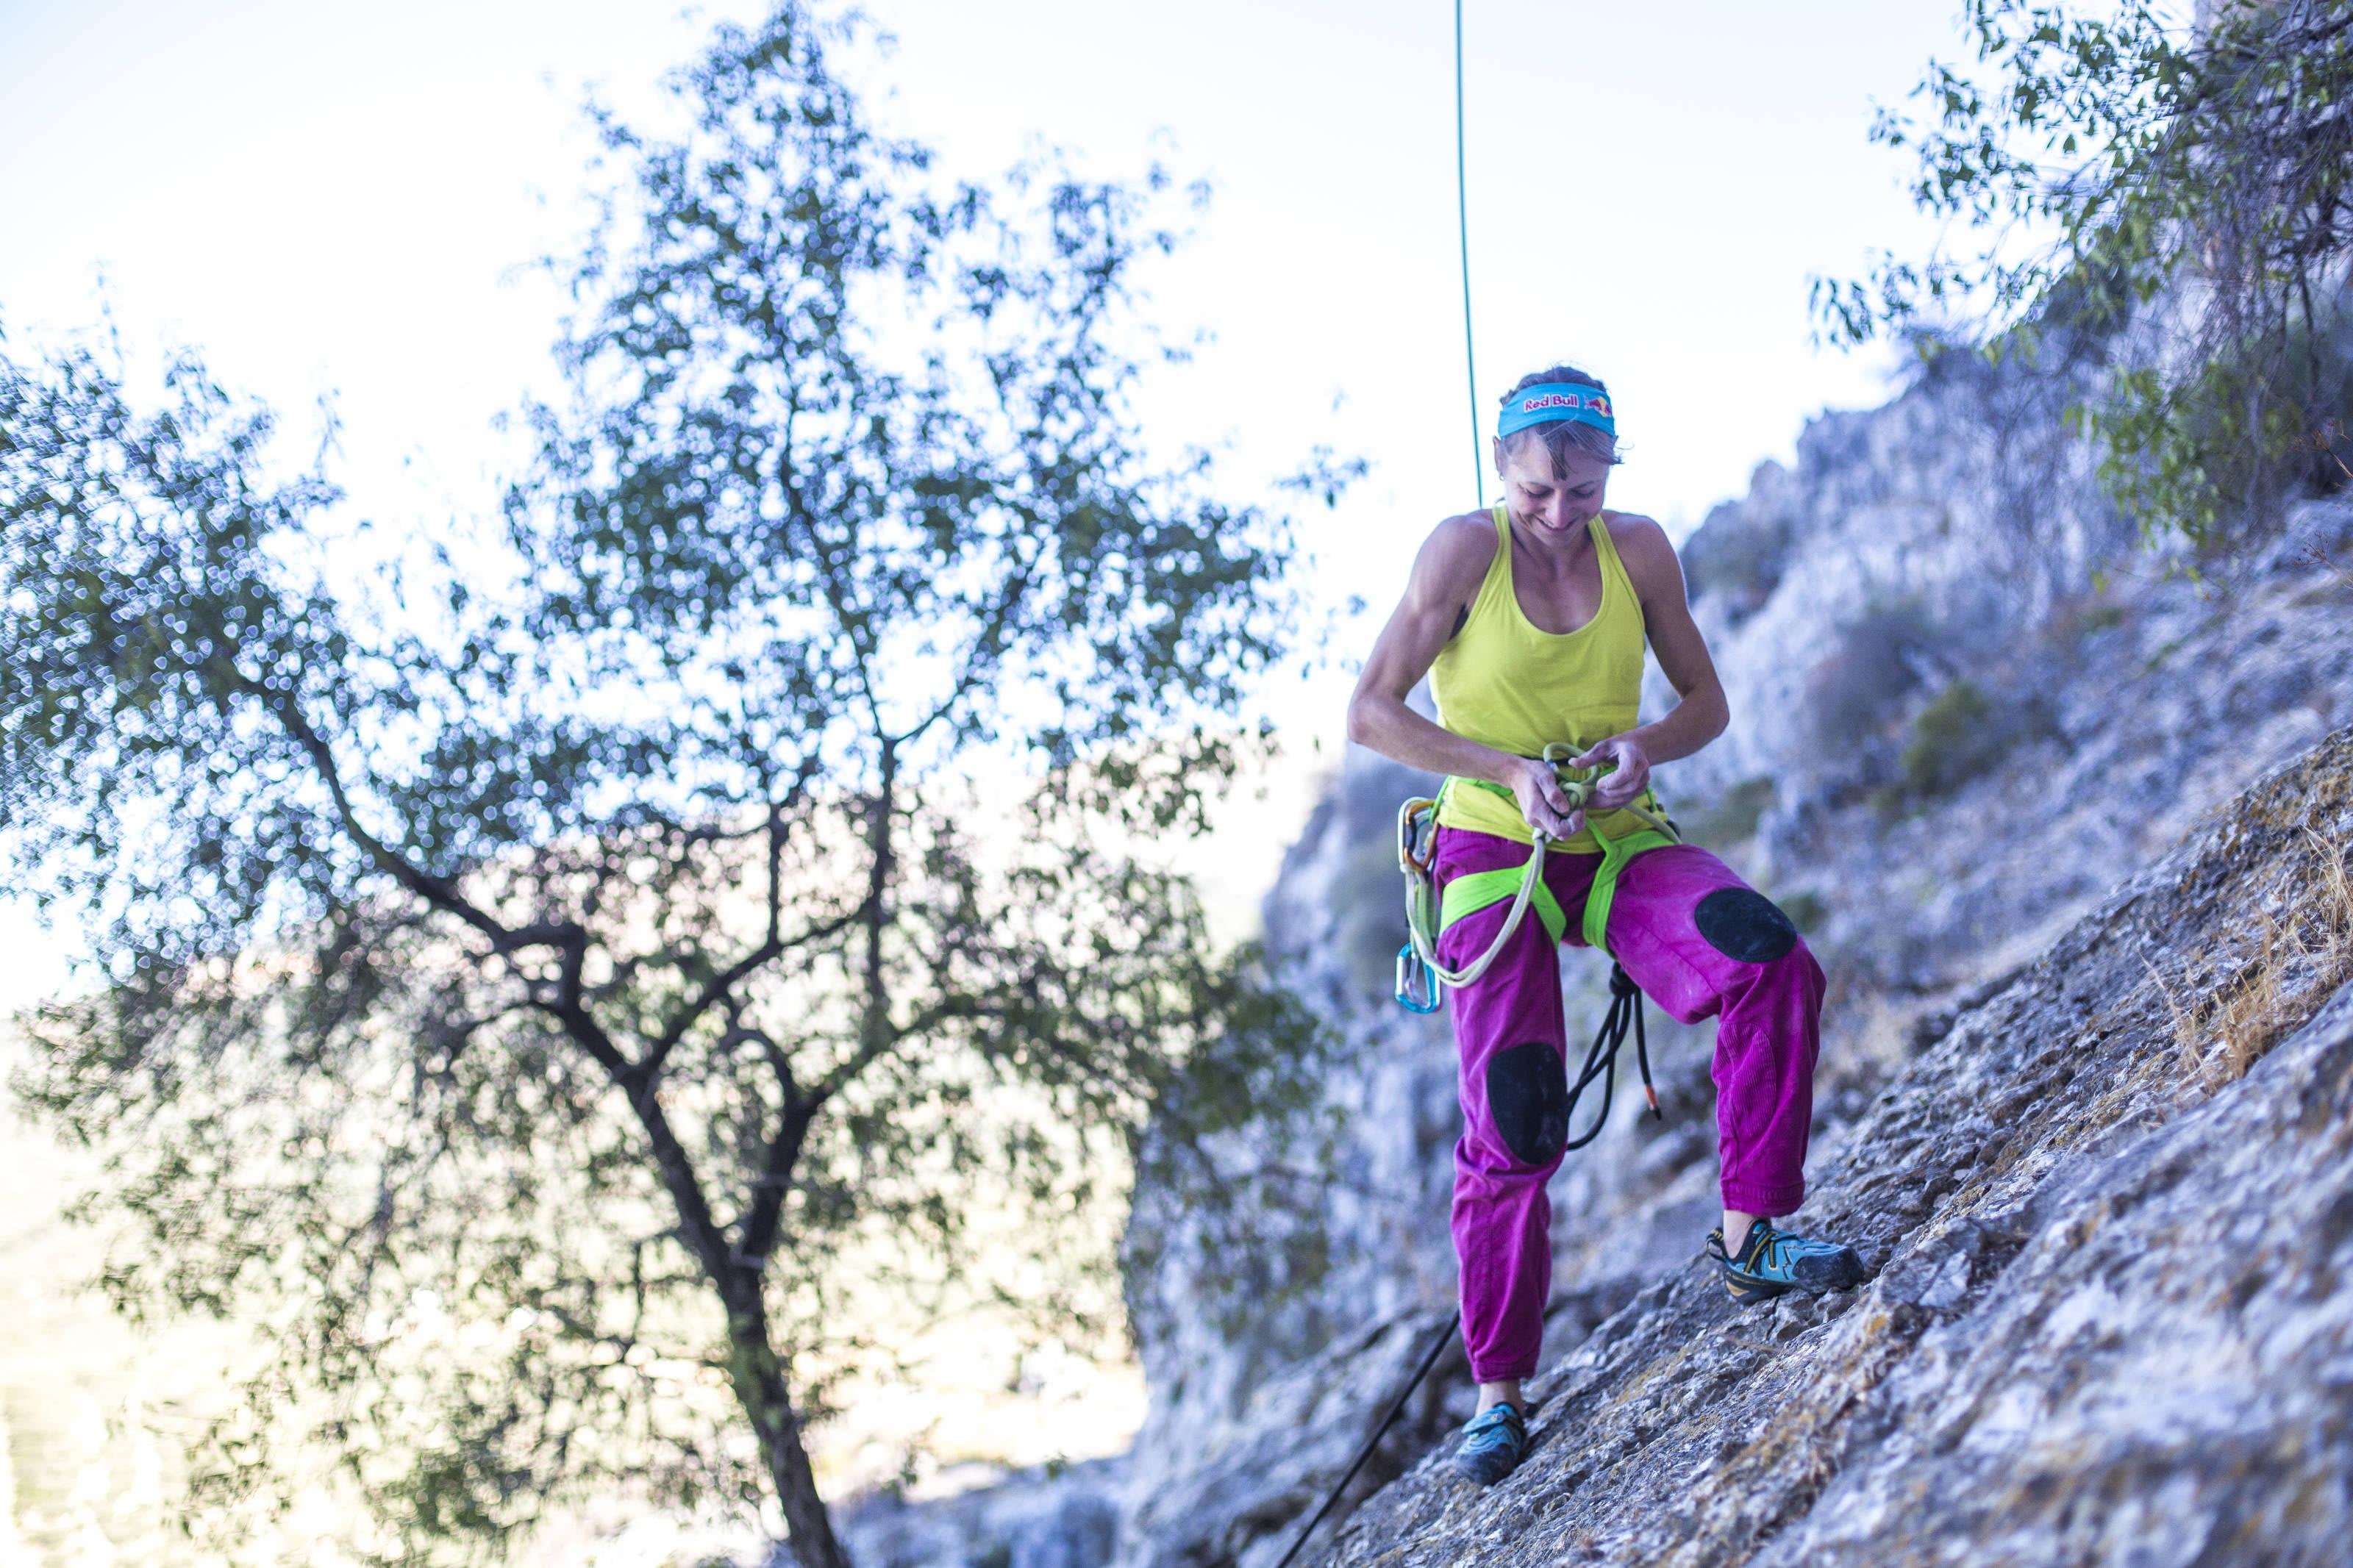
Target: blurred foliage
[
  {"x": 1963, "y": 733},
  {"x": 1954, "y": 736},
  {"x": 2099, "y": 617},
  {"x": 2174, "y": 204},
  {"x": 1807, "y": 911},
  {"x": 1731, "y": 816},
  {"x": 1881, "y": 657},
  {"x": 529, "y": 984}
]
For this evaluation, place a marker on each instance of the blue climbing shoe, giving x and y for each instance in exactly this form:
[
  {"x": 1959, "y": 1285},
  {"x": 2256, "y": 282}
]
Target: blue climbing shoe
[
  {"x": 1771, "y": 1261},
  {"x": 1493, "y": 1442}
]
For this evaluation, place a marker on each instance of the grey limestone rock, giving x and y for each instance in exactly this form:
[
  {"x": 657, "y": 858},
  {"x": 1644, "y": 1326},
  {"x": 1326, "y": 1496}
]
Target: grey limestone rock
[
  {"x": 1065, "y": 1517},
  {"x": 2110, "y": 1320}
]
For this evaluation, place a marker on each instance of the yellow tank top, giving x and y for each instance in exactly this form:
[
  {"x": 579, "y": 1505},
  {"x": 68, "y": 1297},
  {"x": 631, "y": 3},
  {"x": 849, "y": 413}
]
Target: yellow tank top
[{"x": 1505, "y": 683}]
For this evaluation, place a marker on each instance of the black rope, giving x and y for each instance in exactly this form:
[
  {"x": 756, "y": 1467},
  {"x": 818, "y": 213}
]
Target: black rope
[
  {"x": 1437, "y": 1347},
  {"x": 1601, "y": 1057}
]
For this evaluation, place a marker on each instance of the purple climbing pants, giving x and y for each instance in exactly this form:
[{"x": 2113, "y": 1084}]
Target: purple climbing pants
[{"x": 1698, "y": 940}]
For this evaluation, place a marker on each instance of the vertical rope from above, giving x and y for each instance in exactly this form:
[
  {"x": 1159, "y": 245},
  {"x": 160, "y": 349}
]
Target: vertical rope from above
[{"x": 1462, "y": 216}]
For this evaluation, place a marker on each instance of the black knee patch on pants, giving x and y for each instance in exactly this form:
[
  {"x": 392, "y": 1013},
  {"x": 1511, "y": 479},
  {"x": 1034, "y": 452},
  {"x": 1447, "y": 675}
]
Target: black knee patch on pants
[
  {"x": 1527, "y": 1095},
  {"x": 1745, "y": 925}
]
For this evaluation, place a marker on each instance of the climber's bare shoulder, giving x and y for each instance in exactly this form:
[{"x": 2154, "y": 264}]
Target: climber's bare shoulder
[
  {"x": 1651, "y": 564},
  {"x": 1657, "y": 573},
  {"x": 1446, "y": 574},
  {"x": 1452, "y": 563}
]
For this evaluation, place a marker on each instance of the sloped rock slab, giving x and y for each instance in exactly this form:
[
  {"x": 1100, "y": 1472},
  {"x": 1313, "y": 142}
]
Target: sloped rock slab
[
  {"x": 1054, "y": 1517},
  {"x": 2111, "y": 1312}
]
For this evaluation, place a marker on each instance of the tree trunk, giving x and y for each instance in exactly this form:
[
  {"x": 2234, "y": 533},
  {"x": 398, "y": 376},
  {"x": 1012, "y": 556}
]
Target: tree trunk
[{"x": 759, "y": 1379}]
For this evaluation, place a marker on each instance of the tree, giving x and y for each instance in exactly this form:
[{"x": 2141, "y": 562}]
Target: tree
[
  {"x": 520, "y": 995},
  {"x": 2168, "y": 202}
]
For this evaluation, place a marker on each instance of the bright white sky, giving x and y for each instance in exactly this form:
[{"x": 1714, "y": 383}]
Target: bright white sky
[{"x": 334, "y": 199}]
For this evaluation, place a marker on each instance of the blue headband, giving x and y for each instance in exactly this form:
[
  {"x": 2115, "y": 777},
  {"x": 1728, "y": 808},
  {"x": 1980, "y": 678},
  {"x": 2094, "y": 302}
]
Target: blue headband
[{"x": 1553, "y": 402}]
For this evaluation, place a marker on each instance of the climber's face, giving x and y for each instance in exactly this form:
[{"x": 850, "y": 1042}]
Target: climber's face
[{"x": 1551, "y": 506}]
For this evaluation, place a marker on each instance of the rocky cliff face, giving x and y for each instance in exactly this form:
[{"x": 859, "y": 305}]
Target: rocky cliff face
[
  {"x": 1952, "y": 739},
  {"x": 2108, "y": 1210},
  {"x": 1065, "y": 1517}
]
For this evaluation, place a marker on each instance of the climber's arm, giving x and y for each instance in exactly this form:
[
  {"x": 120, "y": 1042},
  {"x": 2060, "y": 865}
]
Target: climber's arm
[{"x": 1445, "y": 579}]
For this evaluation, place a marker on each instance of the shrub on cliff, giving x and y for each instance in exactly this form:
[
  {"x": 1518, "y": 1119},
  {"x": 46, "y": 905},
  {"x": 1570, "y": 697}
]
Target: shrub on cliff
[
  {"x": 2178, "y": 203},
  {"x": 1857, "y": 689}
]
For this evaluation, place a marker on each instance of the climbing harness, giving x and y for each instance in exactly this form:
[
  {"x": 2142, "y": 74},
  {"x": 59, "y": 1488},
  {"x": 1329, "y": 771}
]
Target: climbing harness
[
  {"x": 1421, "y": 978},
  {"x": 1419, "y": 975}
]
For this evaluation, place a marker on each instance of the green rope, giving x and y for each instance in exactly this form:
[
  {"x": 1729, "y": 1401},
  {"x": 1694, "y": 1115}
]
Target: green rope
[{"x": 1463, "y": 217}]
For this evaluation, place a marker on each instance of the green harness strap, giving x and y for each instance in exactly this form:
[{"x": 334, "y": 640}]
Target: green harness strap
[
  {"x": 1614, "y": 853},
  {"x": 1467, "y": 895}
]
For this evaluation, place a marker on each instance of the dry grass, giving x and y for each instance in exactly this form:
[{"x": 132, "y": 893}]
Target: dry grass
[
  {"x": 2253, "y": 1014},
  {"x": 2335, "y": 890},
  {"x": 2297, "y": 962},
  {"x": 2188, "y": 1039}
]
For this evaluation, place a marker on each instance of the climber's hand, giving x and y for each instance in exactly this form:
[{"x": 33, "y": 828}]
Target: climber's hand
[
  {"x": 1542, "y": 800},
  {"x": 1625, "y": 784}
]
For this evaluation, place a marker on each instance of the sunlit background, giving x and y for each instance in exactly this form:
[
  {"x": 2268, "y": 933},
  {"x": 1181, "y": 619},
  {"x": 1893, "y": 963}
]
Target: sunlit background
[
  {"x": 343, "y": 203},
  {"x": 340, "y": 204}
]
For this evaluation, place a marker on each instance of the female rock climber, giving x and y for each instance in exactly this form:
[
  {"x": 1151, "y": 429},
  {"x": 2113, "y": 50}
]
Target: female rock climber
[{"x": 1530, "y": 624}]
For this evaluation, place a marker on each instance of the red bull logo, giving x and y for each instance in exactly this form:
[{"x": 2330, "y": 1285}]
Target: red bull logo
[{"x": 1539, "y": 405}]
